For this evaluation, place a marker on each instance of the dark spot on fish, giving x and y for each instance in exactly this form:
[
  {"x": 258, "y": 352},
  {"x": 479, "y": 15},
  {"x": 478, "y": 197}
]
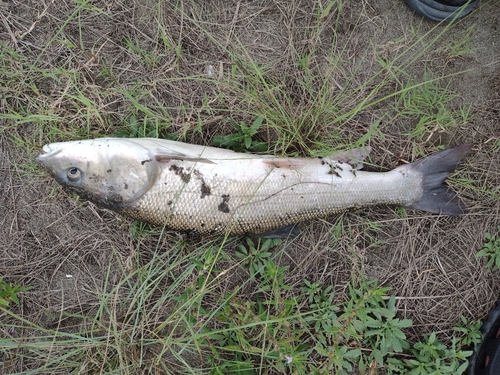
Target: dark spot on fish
[
  {"x": 145, "y": 161},
  {"x": 334, "y": 172},
  {"x": 403, "y": 172},
  {"x": 108, "y": 171},
  {"x": 125, "y": 186},
  {"x": 353, "y": 171},
  {"x": 283, "y": 175},
  {"x": 202, "y": 225},
  {"x": 223, "y": 207},
  {"x": 169, "y": 203},
  {"x": 110, "y": 188},
  {"x": 205, "y": 189},
  {"x": 179, "y": 171},
  {"x": 323, "y": 162}
]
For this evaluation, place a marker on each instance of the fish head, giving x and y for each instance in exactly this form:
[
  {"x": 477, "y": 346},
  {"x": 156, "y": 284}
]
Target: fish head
[{"x": 110, "y": 172}]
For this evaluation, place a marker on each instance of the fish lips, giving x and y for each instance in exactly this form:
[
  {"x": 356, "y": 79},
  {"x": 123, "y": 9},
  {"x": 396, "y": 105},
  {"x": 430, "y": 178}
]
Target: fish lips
[
  {"x": 46, "y": 160},
  {"x": 48, "y": 152}
]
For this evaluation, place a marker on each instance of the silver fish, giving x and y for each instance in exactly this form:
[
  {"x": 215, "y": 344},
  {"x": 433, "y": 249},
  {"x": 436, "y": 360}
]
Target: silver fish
[{"x": 210, "y": 190}]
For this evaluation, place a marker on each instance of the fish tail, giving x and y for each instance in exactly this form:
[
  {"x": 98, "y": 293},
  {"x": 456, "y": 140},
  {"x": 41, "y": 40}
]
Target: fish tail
[{"x": 438, "y": 198}]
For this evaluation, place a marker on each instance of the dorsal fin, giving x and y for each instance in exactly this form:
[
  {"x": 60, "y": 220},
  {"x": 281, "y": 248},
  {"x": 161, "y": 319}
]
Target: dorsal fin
[{"x": 355, "y": 157}]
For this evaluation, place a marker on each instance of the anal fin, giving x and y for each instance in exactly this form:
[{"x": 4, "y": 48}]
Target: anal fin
[{"x": 290, "y": 231}]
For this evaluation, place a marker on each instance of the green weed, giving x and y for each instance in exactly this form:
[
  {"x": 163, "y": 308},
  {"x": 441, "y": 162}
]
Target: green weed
[
  {"x": 460, "y": 47},
  {"x": 9, "y": 293},
  {"x": 144, "y": 128},
  {"x": 491, "y": 250},
  {"x": 470, "y": 332},
  {"x": 140, "y": 229},
  {"x": 428, "y": 105},
  {"x": 242, "y": 140},
  {"x": 255, "y": 257},
  {"x": 433, "y": 357}
]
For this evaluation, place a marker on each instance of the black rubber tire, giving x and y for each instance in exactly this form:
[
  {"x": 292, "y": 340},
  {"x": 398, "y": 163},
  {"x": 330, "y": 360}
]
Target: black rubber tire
[
  {"x": 489, "y": 329},
  {"x": 443, "y": 10}
]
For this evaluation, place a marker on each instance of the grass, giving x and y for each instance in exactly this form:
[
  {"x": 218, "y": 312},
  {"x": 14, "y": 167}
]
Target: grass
[
  {"x": 428, "y": 106},
  {"x": 491, "y": 250},
  {"x": 9, "y": 293},
  {"x": 168, "y": 315},
  {"x": 237, "y": 305}
]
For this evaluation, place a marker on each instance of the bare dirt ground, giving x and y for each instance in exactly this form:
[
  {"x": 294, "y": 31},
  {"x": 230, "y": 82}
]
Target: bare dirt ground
[{"x": 428, "y": 261}]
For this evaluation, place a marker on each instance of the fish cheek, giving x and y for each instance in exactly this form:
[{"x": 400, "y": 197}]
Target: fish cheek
[
  {"x": 117, "y": 186},
  {"x": 106, "y": 199}
]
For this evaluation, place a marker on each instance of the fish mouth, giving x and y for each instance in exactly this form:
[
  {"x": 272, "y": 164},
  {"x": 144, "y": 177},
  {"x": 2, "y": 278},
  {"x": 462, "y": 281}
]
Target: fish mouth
[{"x": 48, "y": 152}]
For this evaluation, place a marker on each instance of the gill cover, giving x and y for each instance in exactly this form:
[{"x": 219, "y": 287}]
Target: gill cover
[{"x": 110, "y": 172}]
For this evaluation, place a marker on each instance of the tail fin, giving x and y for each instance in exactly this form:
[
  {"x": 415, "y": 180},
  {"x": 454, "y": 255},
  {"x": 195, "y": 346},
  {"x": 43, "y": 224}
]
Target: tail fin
[{"x": 438, "y": 198}]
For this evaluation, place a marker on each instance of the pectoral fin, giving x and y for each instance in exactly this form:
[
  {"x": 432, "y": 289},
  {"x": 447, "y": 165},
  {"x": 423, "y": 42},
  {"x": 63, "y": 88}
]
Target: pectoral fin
[
  {"x": 293, "y": 164},
  {"x": 164, "y": 156}
]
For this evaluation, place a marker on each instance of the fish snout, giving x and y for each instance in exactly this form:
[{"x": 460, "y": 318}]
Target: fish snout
[{"x": 48, "y": 152}]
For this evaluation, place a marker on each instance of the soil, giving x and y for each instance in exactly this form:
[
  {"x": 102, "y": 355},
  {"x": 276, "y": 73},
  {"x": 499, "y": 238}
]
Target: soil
[{"x": 63, "y": 247}]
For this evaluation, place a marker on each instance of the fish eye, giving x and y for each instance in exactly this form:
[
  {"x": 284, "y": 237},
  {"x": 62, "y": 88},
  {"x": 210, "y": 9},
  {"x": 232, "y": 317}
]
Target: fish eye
[{"x": 74, "y": 174}]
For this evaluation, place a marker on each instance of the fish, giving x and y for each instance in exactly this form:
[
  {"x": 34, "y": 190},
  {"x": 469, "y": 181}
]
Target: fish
[{"x": 207, "y": 190}]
